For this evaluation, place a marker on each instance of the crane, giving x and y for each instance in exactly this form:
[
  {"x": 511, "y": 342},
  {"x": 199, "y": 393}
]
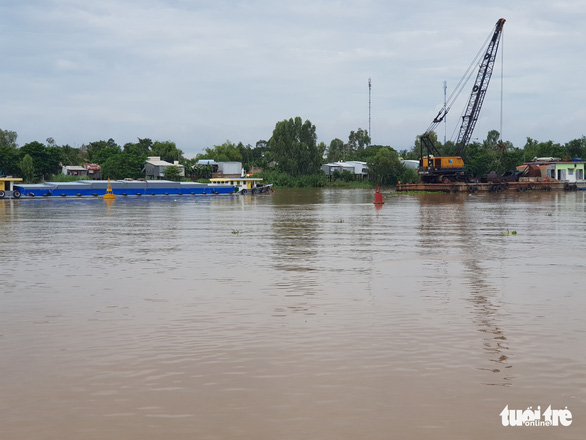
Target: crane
[{"x": 444, "y": 169}]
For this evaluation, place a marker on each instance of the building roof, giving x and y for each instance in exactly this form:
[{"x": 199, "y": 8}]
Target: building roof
[
  {"x": 339, "y": 164},
  {"x": 244, "y": 179},
  {"x": 549, "y": 160},
  {"x": 156, "y": 161}
]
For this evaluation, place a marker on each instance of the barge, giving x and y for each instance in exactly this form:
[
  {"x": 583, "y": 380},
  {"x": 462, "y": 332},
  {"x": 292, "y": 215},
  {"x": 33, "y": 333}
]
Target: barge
[
  {"x": 472, "y": 187},
  {"x": 542, "y": 173},
  {"x": 98, "y": 188}
]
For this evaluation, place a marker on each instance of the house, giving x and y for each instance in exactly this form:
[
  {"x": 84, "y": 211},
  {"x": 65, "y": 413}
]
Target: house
[
  {"x": 567, "y": 171},
  {"x": 229, "y": 169},
  {"x": 330, "y": 168},
  {"x": 74, "y": 170},
  {"x": 91, "y": 170},
  {"x": 94, "y": 171},
  {"x": 223, "y": 169},
  {"x": 555, "y": 168},
  {"x": 355, "y": 167},
  {"x": 154, "y": 168}
]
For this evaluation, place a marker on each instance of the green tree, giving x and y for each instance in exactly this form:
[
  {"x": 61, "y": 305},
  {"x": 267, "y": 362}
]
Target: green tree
[
  {"x": 576, "y": 148},
  {"x": 534, "y": 149},
  {"x": 259, "y": 154},
  {"x": 172, "y": 173},
  {"x": 37, "y": 151},
  {"x": 336, "y": 150},
  {"x": 8, "y": 138},
  {"x": 102, "y": 155},
  {"x": 421, "y": 148},
  {"x": 385, "y": 168},
  {"x": 492, "y": 141},
  {"x": 93, "y": 148},
  {"x": 124, "y": 165},
  {"x": 141, "y": 148},
  {"x": 195, "y": 171},
  {"x": 246, "y": 154},
  {"x": 227, "y": 152},
  {"x": 408, "y": 175},
  {"x": 46, "y": 160},
  {"x": 54, "y": 161},
  {"x": 9, "y": 158},
  {"x": 480, "y": 163},
  {"x": 294, "y": 147},
  {"x": 357, "y": 141},
  {"x": 511, "y": 158},
  {"x": 167, "y": 151},
  {"x": 70, "y": 155},
  {"x": 27, "y": 168}
]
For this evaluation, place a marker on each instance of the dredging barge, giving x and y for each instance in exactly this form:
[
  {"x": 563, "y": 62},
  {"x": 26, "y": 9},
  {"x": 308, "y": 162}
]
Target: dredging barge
[
  {"x": 542, "y": 173},
  {"x": 472, "y": 187}
]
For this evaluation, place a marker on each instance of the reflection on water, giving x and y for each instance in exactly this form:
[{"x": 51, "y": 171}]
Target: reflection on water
[
  {"x": 458, "y": 226},
  {"x": 301, "y": 314}
]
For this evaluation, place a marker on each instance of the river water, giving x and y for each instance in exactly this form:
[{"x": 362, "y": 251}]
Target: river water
[{"x": 305, "y": 314}]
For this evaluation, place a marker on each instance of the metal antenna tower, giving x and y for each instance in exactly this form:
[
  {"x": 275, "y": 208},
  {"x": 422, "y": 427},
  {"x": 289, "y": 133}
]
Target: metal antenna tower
[{"x": 369, "y": 88}]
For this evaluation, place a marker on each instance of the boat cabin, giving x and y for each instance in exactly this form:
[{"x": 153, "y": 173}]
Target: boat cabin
[
  {"x": 7, "y": 187},
  {"x": 239, "y": 182}
]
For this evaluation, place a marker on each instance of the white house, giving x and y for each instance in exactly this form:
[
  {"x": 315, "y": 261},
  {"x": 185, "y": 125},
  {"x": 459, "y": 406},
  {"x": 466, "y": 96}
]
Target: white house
[
  {"x": 230, "y": 168},
  {"x": 355, "y": 167}
]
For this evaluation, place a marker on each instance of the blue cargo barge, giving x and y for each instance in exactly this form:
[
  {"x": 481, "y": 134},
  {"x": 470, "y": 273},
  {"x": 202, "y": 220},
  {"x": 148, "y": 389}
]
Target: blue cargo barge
[{"x": 97, "y": 188}]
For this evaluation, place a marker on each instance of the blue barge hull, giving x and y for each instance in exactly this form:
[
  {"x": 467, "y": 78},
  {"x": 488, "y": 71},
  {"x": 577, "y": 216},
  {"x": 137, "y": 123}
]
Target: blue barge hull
[{"x": 97, "y": 188}]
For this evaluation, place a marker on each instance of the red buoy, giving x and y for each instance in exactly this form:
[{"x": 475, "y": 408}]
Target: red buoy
[{"x": 378, "y": 197}]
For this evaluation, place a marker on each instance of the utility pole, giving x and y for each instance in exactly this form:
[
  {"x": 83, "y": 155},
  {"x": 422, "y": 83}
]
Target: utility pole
[{"x": 369, "y": 88}]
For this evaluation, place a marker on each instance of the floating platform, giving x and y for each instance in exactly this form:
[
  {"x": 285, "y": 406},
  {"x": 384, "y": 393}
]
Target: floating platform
[
  {"x": 98, "y": 188},
  {"x": 472, "y": 187}
]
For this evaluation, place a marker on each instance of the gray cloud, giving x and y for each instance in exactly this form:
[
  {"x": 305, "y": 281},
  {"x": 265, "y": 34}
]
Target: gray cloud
[{"x": 202, "y": 72}]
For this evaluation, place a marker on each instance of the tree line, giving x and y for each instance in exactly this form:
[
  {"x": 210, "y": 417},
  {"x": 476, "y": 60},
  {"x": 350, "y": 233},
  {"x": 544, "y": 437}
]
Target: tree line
[{"x": 290, "y": 157}]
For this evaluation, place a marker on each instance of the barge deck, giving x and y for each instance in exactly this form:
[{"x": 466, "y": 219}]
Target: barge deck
[
  {"x": 97, "y": 188},
  {"x": 472, "y": 187}
]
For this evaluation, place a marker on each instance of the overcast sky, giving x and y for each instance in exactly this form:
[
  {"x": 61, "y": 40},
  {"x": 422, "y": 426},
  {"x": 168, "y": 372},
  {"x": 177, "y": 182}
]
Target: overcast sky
[{"x": 200, "y": 72}]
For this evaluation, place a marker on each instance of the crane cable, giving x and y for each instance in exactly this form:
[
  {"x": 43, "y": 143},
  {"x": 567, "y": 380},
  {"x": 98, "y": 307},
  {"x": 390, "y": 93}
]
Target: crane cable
[{"x": 459, "y": 87}]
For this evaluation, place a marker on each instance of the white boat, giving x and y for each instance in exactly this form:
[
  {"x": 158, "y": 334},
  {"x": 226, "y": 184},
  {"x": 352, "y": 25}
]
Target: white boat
[{"x": 244, "y": 185}]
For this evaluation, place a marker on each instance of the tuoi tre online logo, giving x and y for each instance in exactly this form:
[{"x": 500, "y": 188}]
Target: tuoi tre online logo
[{"x": 531, "y": 417}]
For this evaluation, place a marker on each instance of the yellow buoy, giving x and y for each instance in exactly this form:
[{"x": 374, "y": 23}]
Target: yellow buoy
[{"x": 109, "y": 194}]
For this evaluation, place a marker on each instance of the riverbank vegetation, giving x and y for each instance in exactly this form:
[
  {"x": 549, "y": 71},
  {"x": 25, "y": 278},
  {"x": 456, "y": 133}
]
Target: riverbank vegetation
[{"x": 291, "y": 157}]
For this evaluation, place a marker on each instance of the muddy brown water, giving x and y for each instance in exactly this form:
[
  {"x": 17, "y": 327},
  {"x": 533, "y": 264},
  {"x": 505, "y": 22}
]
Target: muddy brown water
[{"x": 306, "y": 314}]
